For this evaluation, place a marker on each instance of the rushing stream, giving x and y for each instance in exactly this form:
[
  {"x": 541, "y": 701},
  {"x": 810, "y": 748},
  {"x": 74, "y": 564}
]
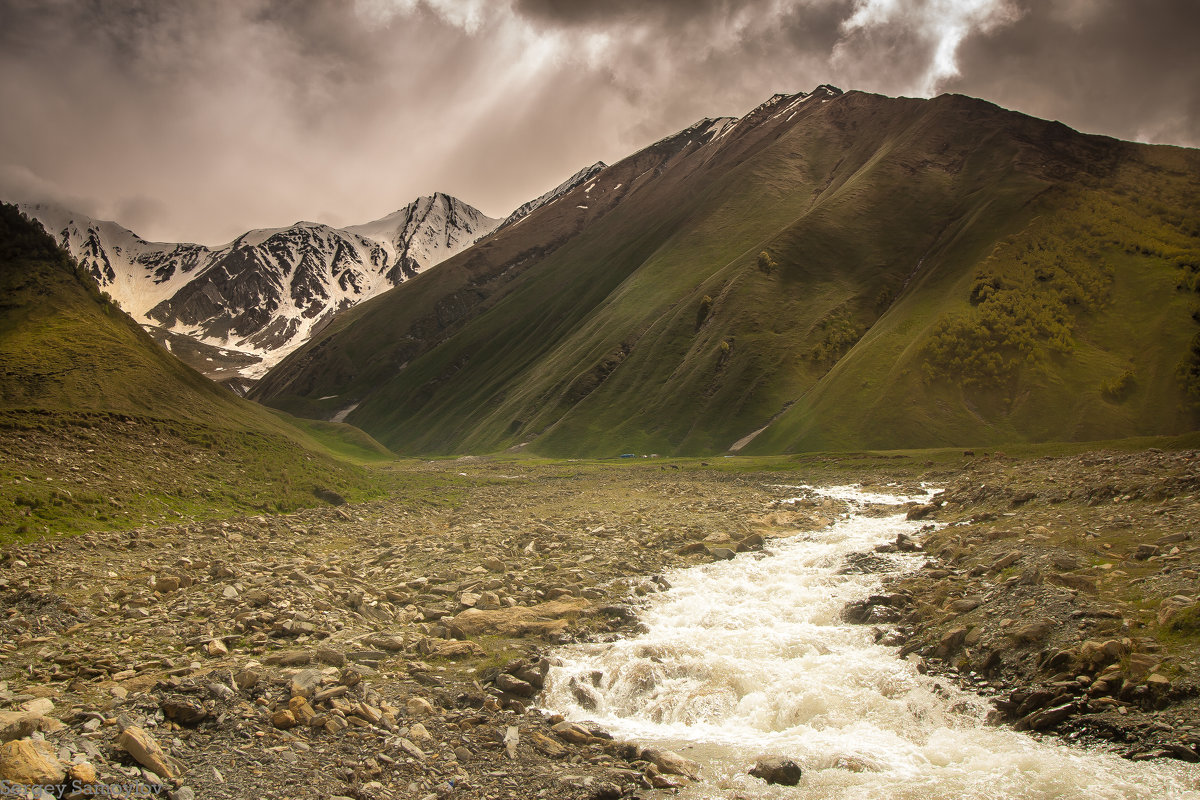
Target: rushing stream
[{"x": 749, "y": 657}]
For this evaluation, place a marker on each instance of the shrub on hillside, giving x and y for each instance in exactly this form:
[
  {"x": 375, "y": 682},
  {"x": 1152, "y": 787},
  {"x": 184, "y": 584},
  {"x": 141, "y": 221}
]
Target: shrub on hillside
[
  {"x": 1119, "y": 387},
  {"x": 1026, "y": 296},
  {"x": 840, "y": 333},
  {"x": 1189, "y": 370},
  {"x": 884, "y": 299}
]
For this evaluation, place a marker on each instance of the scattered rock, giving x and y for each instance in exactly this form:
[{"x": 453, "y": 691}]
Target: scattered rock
[
  {"x": 966, "y": 604},
  {"x": 185, "y": 711},
  {"x": 1146, "y": 551},
  {"x": 514, "y": 685},
  {"x": 572, "y": 732},
  {"x": 19, "y": 724},
  {"x": 82, "y": 773},
  {"x": 1169, "y": 608},
  {"x": 306, "y": 682},
  {"x": 544, "y": 618},
  {"x": 419, "y": 707},
  {"x": 920, "y": 511}
]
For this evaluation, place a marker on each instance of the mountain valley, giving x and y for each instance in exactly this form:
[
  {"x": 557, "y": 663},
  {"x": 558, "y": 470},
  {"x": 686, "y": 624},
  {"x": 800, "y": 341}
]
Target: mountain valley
[{"x": 475, "y": 453}]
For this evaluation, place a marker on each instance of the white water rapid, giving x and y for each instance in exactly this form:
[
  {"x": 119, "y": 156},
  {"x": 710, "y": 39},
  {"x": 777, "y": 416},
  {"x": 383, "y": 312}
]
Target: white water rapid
[{"x": 749, "y": 657}]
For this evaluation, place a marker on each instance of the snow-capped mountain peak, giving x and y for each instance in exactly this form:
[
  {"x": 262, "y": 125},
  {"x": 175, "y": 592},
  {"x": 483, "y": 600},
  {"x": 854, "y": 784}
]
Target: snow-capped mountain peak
[{"x": 266, "y": 292}]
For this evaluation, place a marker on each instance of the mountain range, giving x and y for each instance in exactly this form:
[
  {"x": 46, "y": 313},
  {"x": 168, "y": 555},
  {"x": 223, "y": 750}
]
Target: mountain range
[
  {"x": 232, "y": 311},
  {"x": 830, "y": 271}
]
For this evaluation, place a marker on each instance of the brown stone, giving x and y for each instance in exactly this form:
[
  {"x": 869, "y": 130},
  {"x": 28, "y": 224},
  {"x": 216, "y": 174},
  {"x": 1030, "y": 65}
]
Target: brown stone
[
  {"x": 671, "y": 762},
  {"x": 1159, "y": 684},
  {"x": 572, "y": 732},
  {"x": 166, "y": 583},
  {"x": 19, "y": 724},
  {"x": 82, "y": 773},
  {"x": 1146, "y": 551},
  {"x": 546, "y": 744},
  {"x": 514, "y": 685},
  {"x": 302, "y": 712},
  {"x": 1169, "y": 608},
  {"x": 951, "y": 641},
  {"x": 284, "y": 719},
  {"x": 1071, "y": 580},
  {"x": 777, "y": 770},
  {"x": 30, "y": 763},
  {"x": 184, "y": 711},
  {"x": 965, "y": 604},
  {"x": 1006, "y": 560},
  {"x": 1033, "y": 632},
  {"x": 449, "y": 648},
  {"x": 418, "y": 707}
]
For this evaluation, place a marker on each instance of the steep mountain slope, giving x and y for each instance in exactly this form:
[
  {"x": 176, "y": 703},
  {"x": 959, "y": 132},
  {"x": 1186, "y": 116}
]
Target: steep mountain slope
[
  {"x": 264, "y": 293},
  {"x": 844, "y": 271},
  {"x": 82, "y": 379}
]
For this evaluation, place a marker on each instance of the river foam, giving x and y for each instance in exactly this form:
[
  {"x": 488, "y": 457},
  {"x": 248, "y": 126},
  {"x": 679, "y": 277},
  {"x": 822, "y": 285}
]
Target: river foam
[{"x": 749, "y": 657}]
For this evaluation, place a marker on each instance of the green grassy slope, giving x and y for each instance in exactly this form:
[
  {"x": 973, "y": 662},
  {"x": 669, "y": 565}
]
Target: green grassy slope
[
  {"x": 1073, "y": 328},
  {"x": 102, "y": 426},
  {"x": 648, "y": 321}
]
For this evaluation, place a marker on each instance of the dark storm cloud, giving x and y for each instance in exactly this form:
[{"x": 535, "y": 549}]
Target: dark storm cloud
[
  {"x": 197, "y": 120},
  {"x": 1127, "y": 69}
]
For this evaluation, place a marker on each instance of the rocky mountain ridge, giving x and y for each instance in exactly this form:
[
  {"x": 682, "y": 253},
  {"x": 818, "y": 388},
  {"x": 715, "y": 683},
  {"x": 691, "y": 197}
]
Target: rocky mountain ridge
[
  {"x": 262, "y": 295},
  {"x": 584, "y": 175}
]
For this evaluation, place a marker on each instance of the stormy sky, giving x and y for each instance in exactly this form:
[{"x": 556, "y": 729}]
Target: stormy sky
[{"x": 194, "y": 121}]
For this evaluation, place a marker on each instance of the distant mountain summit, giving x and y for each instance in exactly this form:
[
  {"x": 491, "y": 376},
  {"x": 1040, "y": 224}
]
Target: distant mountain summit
[
  {"x": 584, "y": 175},
  {"x": 248, "y": 303}
]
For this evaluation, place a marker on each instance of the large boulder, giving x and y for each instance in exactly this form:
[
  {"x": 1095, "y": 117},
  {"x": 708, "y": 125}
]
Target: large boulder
[
  {"x": 778, "y": 770},
  {"x": 20, "y": 724},
  {"x": 29, "y": 763},
  {"x": 1171, "y": 607},
  {"x": 543, "y": 618},
  {"x": 671, "y": 762}
]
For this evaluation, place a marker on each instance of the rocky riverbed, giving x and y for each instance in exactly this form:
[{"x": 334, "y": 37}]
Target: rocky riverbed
[
  {"x": 390, "y": 649},
  {"x": 1066, "y": 589}
]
